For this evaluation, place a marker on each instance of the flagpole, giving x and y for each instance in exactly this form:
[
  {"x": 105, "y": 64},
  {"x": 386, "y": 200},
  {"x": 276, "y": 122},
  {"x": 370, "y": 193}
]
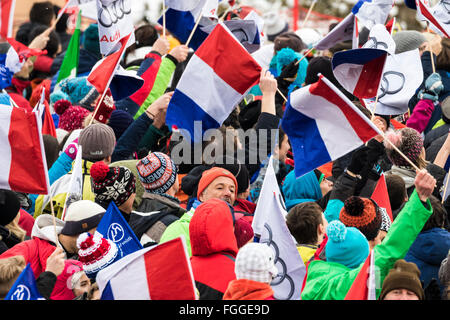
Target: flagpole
[
  {"x": 445, "y": 188},
  {"x": 304, "y": 55},
  {"x": 10, "y": 99},
  {"x": 401, "y": 153},
  {"x": 431, "y": 51},
  {"x": 309, "y": 12},
  {"x": 98, "y": 105},
  {"x": 164, "y": 18},
  {"x": 193, "y": 30}
]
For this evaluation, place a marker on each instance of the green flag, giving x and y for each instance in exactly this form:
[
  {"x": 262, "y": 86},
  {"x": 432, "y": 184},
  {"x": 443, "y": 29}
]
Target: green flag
[{"x": 69, "y": 65}]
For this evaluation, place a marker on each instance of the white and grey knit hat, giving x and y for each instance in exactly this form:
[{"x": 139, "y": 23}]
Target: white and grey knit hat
[
  {"x": 408, "y": 40},
  {"x": 385, "y": 220},
  {"x": 255, "y": 261}
]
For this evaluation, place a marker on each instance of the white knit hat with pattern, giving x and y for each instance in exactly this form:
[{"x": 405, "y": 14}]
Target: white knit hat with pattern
[{"x": 255, "y": 261}]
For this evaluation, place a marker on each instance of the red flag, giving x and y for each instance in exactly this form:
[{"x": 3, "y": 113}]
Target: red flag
[
  {"x": 6, "y": 18},
  {"x": 381, "y": 196},
  {"x": 361, "y": 288},
  {"x": 22, "y": 155},
  {"x": 102, "y": 73},
  {"x": 390, "y": 25},
  {"x": 23, "y": 51},
  {"x": 48, "y": 126}
]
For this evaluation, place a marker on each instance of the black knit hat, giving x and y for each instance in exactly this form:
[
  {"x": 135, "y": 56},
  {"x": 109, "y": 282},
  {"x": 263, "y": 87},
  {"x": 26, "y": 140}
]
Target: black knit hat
[
  {"x": 9, "y": 206},
  {"x": 112, "y": 183}
]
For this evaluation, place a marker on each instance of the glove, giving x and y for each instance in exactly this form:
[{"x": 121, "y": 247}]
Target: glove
[
  {"x": 432, "y": 291},
  {"x": 359, "y": 159},
  {"x": 290, "y": 71},
  {"x": 72, "y": 149},
  {"x": 433, "y": 87}
]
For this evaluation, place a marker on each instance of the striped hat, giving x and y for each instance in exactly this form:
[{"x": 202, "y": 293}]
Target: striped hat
[
  {"x": 157, "y": 172},
  {"x": 95, "y": 253}
]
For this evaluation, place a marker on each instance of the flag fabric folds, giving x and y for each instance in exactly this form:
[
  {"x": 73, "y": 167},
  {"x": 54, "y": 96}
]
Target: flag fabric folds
[
  {"x": 69, "y": 65},
  {"x": 160, "y": 272},
  {"x": 342, "y": 32},
  {"x": 25, "y": 287},
  {"x": 216, "y": 78},
  {"x": 363, "y": 287},
  {"x": 114, "y": 227},
  {"x": 438, "y": 16},
  {"x": 381, "y": 197},
  {"x": 372, "y": 12},
  {"x": 6, "y": 18},
  {"x": 22, "y": 153},
  {"x": 323, "y": 125},
  {"x": 270, "y": 224}
]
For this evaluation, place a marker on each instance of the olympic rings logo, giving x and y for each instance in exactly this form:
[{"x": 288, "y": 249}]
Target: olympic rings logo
[
  {"x": 111, "y": 14},
  {"x": 387, "y": 81}
]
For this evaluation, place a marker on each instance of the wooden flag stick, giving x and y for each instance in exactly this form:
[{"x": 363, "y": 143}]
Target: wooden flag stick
[
  {"x": 193, "y": 30},
  {"x": 282, "y": 95},
  {"x": 431, "y": 51},
  {"x": 98, "y": 106},
  {"x": 309, "y": 12},
  {"x": 401, "y": 153},
  {"x": 304, "y": 55},
  {"x": 445, "y": 188},
  {"x": 164, "y": 18}
]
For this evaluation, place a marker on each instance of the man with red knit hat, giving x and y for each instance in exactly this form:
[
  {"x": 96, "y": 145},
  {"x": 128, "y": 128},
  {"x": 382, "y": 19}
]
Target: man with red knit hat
[{"x": 215, "y": 183}]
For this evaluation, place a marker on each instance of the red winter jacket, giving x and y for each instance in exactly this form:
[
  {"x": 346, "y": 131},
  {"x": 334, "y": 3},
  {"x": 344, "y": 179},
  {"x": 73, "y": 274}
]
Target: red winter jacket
[
  {"x": 214, "y": 248},
  {"x": 244, "y": 289}
]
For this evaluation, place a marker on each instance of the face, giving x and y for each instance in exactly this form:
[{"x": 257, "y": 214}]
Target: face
[
  {"x": 222, "y": 188},
  {"x": 83, "y": 286},
  {"x": 401, "y": 294},
  {"x": 283, "y": 149},
  {"x": 326, "y": 186}
]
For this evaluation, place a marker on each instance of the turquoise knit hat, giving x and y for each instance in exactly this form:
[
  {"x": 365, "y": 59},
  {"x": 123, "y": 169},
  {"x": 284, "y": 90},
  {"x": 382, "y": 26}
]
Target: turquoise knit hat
[
  {"x": 77, "y": 90},
  {"x": 346, "y": 245}
]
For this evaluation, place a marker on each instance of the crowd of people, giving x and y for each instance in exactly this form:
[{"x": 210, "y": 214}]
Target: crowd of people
[{"x": 130, "y": 159}]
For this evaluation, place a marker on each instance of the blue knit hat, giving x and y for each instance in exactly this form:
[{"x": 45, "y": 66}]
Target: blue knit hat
[
  {"x": 90, "y": 39},
  {"x": 77, "y": 90},
  {"x": 119, "y": 121},
  {"x": 346, "y": 245}
]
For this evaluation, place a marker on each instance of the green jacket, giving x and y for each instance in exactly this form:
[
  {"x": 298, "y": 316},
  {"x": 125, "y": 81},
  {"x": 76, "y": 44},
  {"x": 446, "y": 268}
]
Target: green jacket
[
  {"x": 331, "y": 281},
  {"x": 178, "y": 228},
  {"x": 166, "y": 69}
]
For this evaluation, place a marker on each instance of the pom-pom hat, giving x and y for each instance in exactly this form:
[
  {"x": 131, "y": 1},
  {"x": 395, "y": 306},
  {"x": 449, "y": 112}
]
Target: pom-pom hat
[
  {"x": 70, "y": 117},
  {"x": 408, "y": 141},
  {"x": 345, "y": 245},
  {"x": 95, "y": 253},
  {"x": 112, "y": 183}
]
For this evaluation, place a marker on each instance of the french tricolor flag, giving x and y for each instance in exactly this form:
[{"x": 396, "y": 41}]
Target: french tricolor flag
[
  {"x": 364, "y": 285},
  {"x": 216, "y": 78},
  {"x": 160, "y": 272},
  {"x": 22, "y": 154},
  {"x": 322, "y": 125},
  {"x": 6, "y": 18},
  {"x": 438, "y": 16}
]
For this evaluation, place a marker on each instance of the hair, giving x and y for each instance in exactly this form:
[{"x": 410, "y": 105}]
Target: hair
[
  {"x": 52, "y": 46},
  {"x": 51, "y": 147},
  {"x": 10, "y": 269},
  {"x": 289, "y": 39},
  {"x": 443, "y": 58},
  {"x": 363, "y": 109},
  {"x": 15, "y": 229},
  {"x": 61, "y": 25},
  {"x": 224, "y": 138},
  {"x": 42, "y": 12},
  {"x": 438, "y": 217},
  {"x": 94, "y": 287},
  {"x": 281, "y": 135},
  {"x": 302, "y": 221},
  {"x": 396, "y": 190},
  {"x": 145, "y": 35}
]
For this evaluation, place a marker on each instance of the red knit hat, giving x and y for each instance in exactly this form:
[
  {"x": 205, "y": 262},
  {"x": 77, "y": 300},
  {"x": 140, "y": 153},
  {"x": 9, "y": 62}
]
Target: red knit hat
[
  {"x": 363, "y": 214},
  {"x": 70, "y": 117},
  {"x": 106, "y": 108},
  {"x": 95, "y": 253},
  {"x": 210, "y": 175}
]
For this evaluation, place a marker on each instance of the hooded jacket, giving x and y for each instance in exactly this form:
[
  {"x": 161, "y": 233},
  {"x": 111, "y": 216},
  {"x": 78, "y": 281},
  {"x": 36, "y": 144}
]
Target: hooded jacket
[
  {"x": 428, "y": 251},
  {"x": 303, "y": 189},
  {"x": 214, "y": 248},
  {"x": 331, "y": 280},
  {"x": 244, "y": 289},
  {"x": 42, "y": 244}
]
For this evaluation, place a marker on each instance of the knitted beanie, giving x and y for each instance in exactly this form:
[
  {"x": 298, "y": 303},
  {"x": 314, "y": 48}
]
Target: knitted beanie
[
  {"x": 70, "y": 117},
  {"x": 407, "y": 40},
  {"x": 362, "y": 214},
  {"x": 98, "y": 141},
  {"x": 255, "y": 261},
  {"x": 345, "y": 245},
  {"x": 112, "y": 183},
  {"x": 63, "y": 289},
  {"x": 408, "y": 141},
  {"x": 404, "y": 275},
  {"x": 90, "y": 39},
  {"x": 78, "y": 91},
  {"x": 119, "y": 121},
  {"x": 95, "y": 253},
  {"x": 243, "y": 232},
  {"x": 445, "y": 107},
  {"x": 210, "y": 175},
  {"x": 9, "y": 206},
  {"x": 385, "y": 220},
  {"x": 82, "y": 216},
  {"x": 157, "y": 172}
]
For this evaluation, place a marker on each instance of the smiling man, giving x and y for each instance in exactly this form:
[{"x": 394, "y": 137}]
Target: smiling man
[{"x": 215, "y": 183}]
